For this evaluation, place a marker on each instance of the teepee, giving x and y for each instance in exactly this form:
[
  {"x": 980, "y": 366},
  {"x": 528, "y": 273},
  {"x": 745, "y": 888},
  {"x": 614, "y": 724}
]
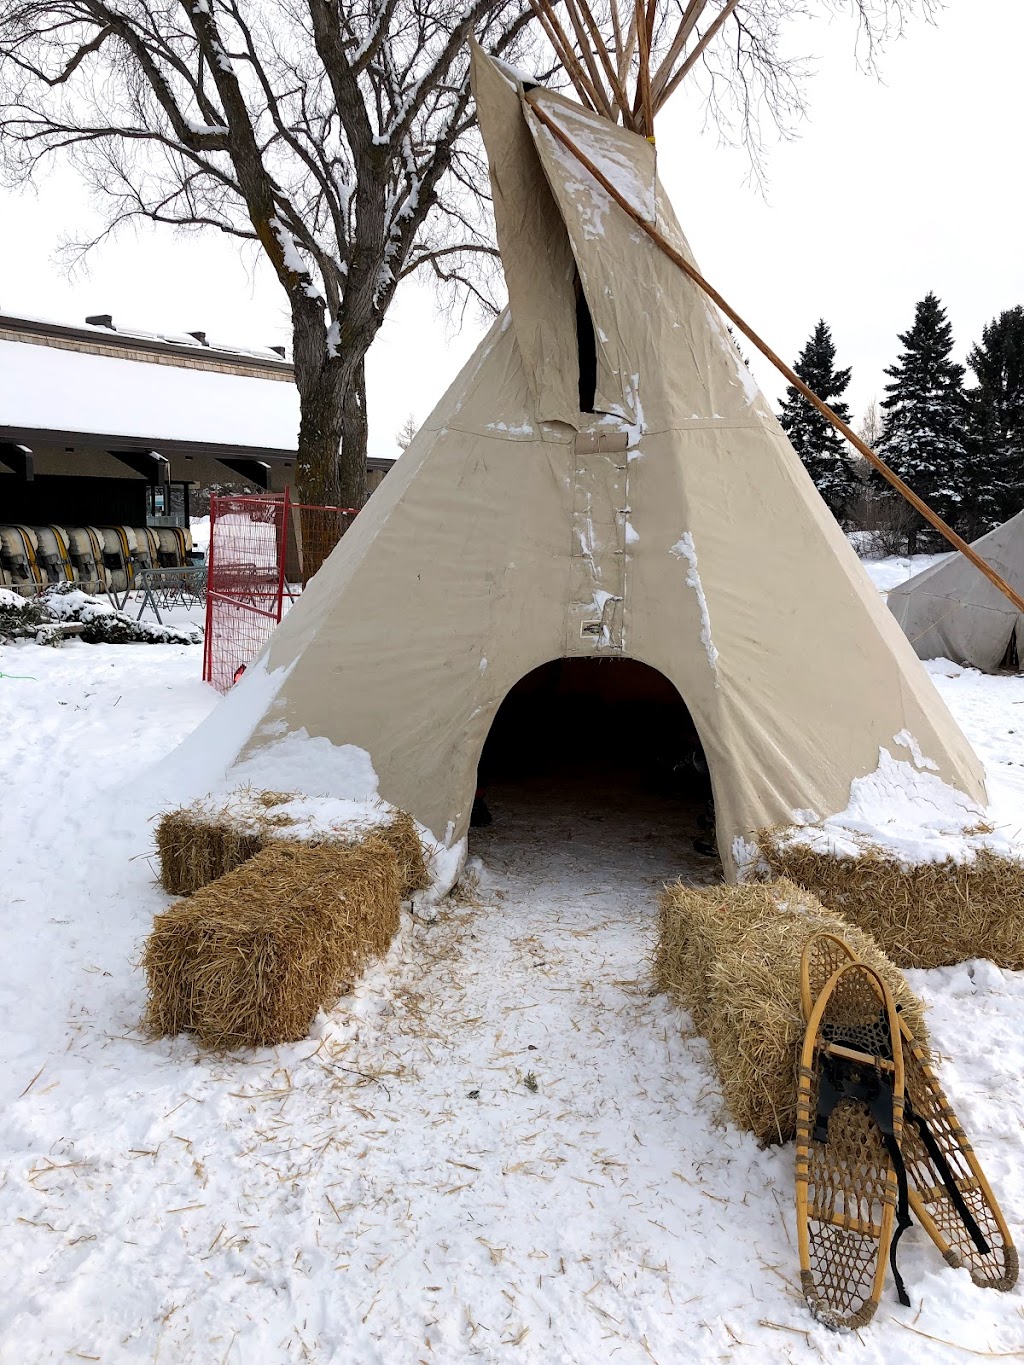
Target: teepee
[
  {"x": 603, "y": 479},
  {"x": 951, "y": 611}
]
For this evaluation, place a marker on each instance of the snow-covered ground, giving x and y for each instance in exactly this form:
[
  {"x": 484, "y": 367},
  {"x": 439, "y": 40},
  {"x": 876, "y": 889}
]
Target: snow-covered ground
[
  {"x": 890, "y": 572},
  {"x": 200, "y": 527},
  {"x": 395, "y": 1189}
]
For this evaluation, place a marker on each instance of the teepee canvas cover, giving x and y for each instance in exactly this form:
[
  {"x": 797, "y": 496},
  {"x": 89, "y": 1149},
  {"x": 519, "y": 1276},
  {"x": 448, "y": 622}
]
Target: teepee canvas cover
[
  {"x": 951, "y": 611},
  {"x": 674, "y": 525}
]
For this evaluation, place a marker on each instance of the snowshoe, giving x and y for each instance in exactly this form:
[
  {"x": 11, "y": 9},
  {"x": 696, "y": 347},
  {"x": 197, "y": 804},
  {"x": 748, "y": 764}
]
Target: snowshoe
[
  {"x": 850, "y": 1178},
  {"x": 948, "y": 1192}
]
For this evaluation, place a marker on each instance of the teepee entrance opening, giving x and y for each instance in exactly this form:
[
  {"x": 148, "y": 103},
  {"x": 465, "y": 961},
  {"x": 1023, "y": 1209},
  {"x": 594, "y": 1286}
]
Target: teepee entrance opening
[{"x": 597, "y": 749}]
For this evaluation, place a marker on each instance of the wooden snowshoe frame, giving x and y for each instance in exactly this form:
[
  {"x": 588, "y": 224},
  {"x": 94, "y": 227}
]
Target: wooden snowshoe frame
[
  {"x": 930, "y": 1199},
  {"x": 846, "y": 1185}
]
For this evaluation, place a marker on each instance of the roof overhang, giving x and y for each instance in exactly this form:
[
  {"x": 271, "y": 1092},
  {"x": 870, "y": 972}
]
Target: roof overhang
[{"x": 33, "y": 437}]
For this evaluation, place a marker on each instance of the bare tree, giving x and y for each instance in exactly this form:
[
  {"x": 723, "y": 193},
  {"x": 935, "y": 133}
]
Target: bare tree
[
  {"x": 337, "y": 137},
  {"x": 405, "y": 433},
  {"x": 870, "y": 430},
  {"x": 880, "y": 513}
]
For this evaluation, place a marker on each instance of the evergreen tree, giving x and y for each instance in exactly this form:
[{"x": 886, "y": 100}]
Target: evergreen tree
[
  {"x": 815, "y": 439},
  {"x": 996, "y": 422},
  {"x": 924, "y": 417},
  {"x": 736, "y": 342}
]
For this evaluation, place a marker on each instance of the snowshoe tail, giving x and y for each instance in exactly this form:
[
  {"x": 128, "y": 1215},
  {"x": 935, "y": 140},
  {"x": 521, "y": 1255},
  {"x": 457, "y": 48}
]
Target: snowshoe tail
[
  {"x": 949, "y": 1193},
  {"x": 850, "y": 1180},
  {"x": 953, "y": 1199}
]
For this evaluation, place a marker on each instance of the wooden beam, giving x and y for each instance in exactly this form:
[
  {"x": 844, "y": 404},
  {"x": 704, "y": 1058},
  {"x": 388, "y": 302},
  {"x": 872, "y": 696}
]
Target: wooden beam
[
  {"x": 153, "y": 466},
  {"x": 789, "y": 375},
  {"x": 252, "y": 471}
]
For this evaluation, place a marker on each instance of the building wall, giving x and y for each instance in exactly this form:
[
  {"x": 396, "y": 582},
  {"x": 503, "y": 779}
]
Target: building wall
[
  {"x": 88, "y": 485},
  {"x": 59, "y": 499}
]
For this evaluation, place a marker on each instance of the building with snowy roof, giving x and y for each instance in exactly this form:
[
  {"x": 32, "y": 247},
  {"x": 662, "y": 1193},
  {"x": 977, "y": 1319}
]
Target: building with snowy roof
[{"x": 102, "y": 425}]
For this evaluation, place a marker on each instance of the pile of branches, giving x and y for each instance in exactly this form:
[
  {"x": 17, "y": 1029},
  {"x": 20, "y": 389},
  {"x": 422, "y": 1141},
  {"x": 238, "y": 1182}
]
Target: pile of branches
[{"x": 44, "y": 618}]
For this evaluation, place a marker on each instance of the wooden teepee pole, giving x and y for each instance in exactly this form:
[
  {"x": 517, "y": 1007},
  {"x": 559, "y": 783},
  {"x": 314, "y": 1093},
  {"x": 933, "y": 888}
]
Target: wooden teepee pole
[
  {"x": 668, "y": 90},
  {"x": 616, "y": 88},
  {"x": 584, "y": 45},
  {"x": 690, "y": 16},
  {"x": 643, "y": 104},
  {"x": 794, "y": 379},
  {"x": 559, "y": 40},
  {"x": 625, "y": 56}
]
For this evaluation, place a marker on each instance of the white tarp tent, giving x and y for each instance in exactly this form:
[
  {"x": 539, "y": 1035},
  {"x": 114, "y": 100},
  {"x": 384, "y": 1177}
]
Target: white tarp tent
[{"x": 952, "y": 611}]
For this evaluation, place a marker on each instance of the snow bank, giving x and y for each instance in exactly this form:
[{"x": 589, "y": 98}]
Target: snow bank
[
  {"x": 200, "y": 528},
  {"x": 334, "y": 786},
  {"x": 306, "y": 819},
  {"x": 393, "y": 1190},
  {"x": 891, "y": 570},
  {"x": 905, "y": 810},
  {"x": 41, "y": 617}
]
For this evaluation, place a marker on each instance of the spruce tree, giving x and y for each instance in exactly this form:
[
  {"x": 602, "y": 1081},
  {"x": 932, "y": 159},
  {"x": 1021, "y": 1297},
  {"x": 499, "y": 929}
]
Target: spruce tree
[
  {"x": 924, "y": 417},
  {"x": 820, "y": 447},
  {"x": 996, "y": 422}
]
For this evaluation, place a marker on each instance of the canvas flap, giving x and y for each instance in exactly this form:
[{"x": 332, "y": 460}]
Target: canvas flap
[
  {"x": 626, "y": 160},
  {"x": 534, "y": 245},
  {"x": 596, "y": 225}
]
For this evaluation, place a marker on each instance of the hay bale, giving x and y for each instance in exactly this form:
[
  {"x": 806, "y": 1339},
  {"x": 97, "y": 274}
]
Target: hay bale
[
  {"x": 693, "y": 930},
  {"x": 202, "y": 842},
  {"x": 250, "y": 959},
  {"x": 926, "y": 915},
  {"x": 731, "y": 956},
  {"x": 401, "y": 836},
  {"x": 194, "y": 851}
]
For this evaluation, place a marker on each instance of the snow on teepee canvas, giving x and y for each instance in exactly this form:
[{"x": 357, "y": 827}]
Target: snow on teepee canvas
[{"x": 603, "y": 480}]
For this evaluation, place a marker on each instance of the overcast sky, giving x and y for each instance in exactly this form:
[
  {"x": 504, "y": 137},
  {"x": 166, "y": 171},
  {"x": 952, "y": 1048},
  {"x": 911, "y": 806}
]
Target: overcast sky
[{"x": 889, "y": 191}]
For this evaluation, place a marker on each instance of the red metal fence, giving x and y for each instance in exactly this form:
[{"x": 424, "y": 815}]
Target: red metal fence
[{"x": 262, "y": 551}]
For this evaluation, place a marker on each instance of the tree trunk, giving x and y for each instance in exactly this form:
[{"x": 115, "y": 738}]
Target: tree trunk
[
  {"x": 320, "y": 428},
  {"x": 333, "y": 430},
  {"x": 331, "y": 463},
  {"x": 354, "y": 436}
]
